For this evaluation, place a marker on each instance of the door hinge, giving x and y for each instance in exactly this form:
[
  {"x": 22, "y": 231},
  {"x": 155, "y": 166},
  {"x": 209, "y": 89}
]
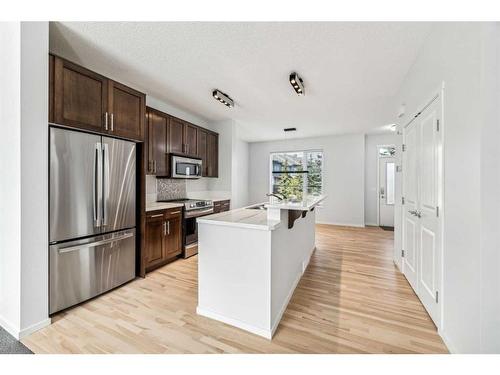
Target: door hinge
[
  {"x": 437, "y": 296},
  {"x": 437, "y": 125},
  {"x": 403, "y": 147},
  {"x": 402, "y": 200},
  {"x": 437, "y": 211},
  {"x": 402, "y": 253}
]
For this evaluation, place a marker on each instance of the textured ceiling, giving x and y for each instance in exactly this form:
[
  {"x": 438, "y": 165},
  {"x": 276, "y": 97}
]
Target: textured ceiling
[{"x": 350, "y": 70}]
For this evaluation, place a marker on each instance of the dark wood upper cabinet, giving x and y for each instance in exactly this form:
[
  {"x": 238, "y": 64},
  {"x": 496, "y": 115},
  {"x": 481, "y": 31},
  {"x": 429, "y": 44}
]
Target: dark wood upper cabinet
[
  {"x": 175, "y": 136},
  {"x": 202, "y": 151},
  {"x": 126, "y": 108},
  {"x": 190, "y": 139},
  {"x": 157, "y": 143},
  {"x": 51, "y": 88},
  {"x": 83, "y": 99},
  {"x": 80, "y": 96},
  {"x": 212, "y": 154}
]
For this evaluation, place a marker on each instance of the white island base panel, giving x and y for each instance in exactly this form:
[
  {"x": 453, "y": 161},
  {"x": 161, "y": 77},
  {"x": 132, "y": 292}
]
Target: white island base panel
[{"x": 246, "y": 277}]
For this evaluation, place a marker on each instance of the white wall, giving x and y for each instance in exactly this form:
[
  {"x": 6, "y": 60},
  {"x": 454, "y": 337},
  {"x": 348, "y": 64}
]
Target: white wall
[
  {"x": 490, "y": 186},
  {"x": 455, "y": 53},
  {"x": 10, "y": 186},
  {"x": 371, "y": 168},
  {"x": 239, "y": 173},
  {"x": 343, "y": 176},
  {"x": 24, "y": 305}
]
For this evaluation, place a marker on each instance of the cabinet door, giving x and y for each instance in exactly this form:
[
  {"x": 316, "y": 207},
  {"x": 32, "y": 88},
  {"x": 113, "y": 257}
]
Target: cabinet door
[
  {"x": 202, "y": 151},
  {"x": 80, "y": 96},
  {"x": 175, "y": 136},
  {"x": 127, "y": 108},
  {"x": 225, "y": 206},
  {"x": 155, "y": 229},
  {"x": 158, "y": 143},
  {"x": 190, "y": 139},
  {"x": 212, "y": 155},
  {"x": 51, "y": 88},
  {"x": 173, "y": 240}
]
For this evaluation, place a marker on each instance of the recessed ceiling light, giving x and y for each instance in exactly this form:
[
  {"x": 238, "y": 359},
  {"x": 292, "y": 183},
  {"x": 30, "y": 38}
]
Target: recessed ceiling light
[
  {"x": 297, "y": 83},
  {"x": 223, "y": 98}
]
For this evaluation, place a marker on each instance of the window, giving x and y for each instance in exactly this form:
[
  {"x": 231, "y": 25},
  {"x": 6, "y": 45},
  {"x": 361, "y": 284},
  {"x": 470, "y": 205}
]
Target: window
[
  {"x": 296, "y": 173},
  {"x": 389, "y": 182},
  {"x": 387, "y": 151}
]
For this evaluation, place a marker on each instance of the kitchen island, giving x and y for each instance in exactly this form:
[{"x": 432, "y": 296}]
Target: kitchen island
[{"x": 251, "y": 259}]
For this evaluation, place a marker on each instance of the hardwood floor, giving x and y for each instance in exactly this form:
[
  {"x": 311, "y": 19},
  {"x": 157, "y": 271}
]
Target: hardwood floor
[{"x": 351, "y": 299}]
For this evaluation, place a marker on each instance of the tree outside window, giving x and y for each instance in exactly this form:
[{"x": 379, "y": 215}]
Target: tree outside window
[{"x": 296, "y": 174}]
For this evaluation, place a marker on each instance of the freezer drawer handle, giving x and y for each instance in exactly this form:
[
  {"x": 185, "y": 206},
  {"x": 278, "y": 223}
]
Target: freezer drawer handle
[{"x": 93, "y": 244}]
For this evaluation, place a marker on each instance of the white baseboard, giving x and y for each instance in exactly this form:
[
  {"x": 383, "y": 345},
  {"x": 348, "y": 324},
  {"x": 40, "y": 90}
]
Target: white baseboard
[
  {"x": 371, "y": 224},
  {"x": 20, "y": 334},
  {"x": 34, "y": 327},
  {"x": 268, "y": 334},
  {"x": 447, "y": 342},
  {"x": 357, "y": 225},
  {"x": 9, "y": 327}
]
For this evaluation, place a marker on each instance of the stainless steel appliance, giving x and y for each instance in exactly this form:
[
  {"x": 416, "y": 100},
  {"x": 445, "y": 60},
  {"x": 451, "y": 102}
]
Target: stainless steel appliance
[
  {"x": 193, "y": 209},
  {"x": 92, "y": 215},
  {"x": 183, "y": 167}
]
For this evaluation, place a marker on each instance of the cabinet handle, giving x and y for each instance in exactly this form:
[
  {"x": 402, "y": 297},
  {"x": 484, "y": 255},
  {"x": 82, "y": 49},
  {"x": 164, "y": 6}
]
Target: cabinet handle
[
  {"x": 175, "y": 212},
  {"x": 112, "y": 121},
  {"x": 158, "y": 215},
  {"x": 165, "y": 228},
  {"x": 168, "y": 227},
  {"x": 106, "y": 121},
  {"x": 155, "y": 165}
]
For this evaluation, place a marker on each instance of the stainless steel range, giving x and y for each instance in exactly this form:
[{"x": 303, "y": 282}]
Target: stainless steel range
[{"x": 193, "y": 208}]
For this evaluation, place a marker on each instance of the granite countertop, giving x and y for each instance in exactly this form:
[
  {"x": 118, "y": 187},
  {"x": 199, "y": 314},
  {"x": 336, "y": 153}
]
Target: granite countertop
[
  {"x": 153, "y": 206},
  {"x": 305, "y": 205},
  {"x": 242, "y": 218}
]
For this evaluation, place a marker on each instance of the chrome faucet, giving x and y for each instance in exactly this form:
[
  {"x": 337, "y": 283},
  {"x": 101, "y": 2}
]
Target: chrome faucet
[{"x": 280, "y": 197}]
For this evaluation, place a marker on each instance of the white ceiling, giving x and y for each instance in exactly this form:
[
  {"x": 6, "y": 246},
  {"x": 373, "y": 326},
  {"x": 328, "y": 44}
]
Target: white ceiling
[{"x": 350, "y": 70}]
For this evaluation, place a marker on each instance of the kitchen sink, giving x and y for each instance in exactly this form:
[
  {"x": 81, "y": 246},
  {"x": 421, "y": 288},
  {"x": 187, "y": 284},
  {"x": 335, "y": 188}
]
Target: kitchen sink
[{"x": 258, "y": 207}]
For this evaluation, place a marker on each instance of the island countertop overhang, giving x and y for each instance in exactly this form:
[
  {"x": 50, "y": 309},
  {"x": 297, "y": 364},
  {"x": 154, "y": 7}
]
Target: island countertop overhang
[{"x": 260, "y": 219}]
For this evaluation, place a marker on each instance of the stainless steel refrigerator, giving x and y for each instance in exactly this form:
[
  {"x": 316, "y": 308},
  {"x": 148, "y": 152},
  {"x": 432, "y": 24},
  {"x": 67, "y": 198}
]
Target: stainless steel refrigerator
[{"x": 92, "y": 215}]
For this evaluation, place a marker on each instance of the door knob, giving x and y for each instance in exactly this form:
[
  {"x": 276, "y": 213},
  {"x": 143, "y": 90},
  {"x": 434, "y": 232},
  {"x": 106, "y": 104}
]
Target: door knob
[{"x": 413, "y": 212}]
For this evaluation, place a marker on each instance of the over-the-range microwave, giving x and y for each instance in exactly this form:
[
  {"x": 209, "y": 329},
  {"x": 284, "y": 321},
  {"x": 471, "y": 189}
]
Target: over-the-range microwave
[{"x": 183, "y": 167}]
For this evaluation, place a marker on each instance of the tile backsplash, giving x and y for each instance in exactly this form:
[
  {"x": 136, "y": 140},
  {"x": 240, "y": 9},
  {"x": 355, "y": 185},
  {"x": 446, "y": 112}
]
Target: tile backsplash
[{"x": 167, "y": 188}]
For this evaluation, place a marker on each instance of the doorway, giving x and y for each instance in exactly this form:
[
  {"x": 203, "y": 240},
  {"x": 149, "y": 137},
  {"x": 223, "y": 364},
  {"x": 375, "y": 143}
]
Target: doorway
[{"x": 386, "y": 186}]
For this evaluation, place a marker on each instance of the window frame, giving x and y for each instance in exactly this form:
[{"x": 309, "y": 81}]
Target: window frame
[{"x": 304, "y": 166}]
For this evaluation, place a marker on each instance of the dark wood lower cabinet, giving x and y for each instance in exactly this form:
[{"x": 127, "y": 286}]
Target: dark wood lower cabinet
[
  {"x": 222, "y": 206},
  {"x": 163, "y": 237}
]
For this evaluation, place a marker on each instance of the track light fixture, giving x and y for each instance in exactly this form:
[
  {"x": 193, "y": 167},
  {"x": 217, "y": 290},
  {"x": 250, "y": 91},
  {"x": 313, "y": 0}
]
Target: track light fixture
[
  {"x": 223, "y": 98},
  {"x": 297, "y": 83}
]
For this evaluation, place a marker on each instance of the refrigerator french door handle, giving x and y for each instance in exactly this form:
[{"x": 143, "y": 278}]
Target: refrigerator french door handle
[
  {"x": 98, "y": 184},
  {"x": 94, "y": 185},
  {"x": 105, "y": 187}
]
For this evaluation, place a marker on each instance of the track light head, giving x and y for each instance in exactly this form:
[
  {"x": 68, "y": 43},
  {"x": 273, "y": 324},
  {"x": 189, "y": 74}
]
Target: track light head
[
  {"x": 223, "y": 98},
  {"x": 297, "y": 83}
]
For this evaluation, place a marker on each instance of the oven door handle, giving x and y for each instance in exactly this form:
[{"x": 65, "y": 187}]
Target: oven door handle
[{"x": 199, "y": 213}]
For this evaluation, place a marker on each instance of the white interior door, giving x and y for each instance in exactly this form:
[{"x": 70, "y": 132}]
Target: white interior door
[
  {"x": 410, "y": 195},
  {"x": 386, "y": 191},
  {"x": 428, "y": 211},
  {"x": 422, "y": 224}
]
